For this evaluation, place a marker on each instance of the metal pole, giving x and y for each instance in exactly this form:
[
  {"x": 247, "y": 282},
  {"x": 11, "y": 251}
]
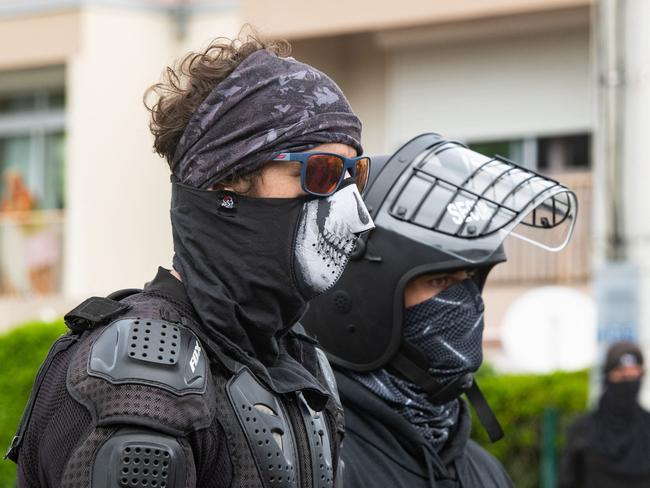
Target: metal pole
[
  {"x": 610, "y": 54},
  {"x": 548, "y": 465}
]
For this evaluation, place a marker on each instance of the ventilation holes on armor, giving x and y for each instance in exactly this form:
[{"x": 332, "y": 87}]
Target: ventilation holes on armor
[
  {"x": 154, "y": 333},
  {"x": 134, "y": 471}
]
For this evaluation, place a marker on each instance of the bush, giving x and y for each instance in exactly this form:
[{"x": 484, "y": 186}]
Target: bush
[
  {"x": 21, "y": 353},
  {"x": 519, "y": 401}
]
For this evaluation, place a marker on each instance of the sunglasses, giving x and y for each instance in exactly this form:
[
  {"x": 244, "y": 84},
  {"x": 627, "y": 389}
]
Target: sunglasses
[{"x": 321, "y": 174}]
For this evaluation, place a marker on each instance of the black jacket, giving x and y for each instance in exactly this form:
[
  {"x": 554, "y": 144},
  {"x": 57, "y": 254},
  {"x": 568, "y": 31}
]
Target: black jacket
[
  {"x": 592, "y": 459},
  {"x": 382, "y": 449},
  {"x": 90, "y": 394}
]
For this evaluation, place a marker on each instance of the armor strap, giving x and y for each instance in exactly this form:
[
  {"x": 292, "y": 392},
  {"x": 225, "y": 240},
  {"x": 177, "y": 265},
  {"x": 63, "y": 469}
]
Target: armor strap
[{"x": 93, "y": 312}]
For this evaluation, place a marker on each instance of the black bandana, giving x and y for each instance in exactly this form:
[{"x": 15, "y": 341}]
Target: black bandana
[{"x": 266, "y": 106}]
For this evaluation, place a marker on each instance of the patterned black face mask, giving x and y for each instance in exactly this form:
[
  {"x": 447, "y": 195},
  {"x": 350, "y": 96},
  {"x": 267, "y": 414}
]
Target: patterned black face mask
[{"x": 448, "y": 329}]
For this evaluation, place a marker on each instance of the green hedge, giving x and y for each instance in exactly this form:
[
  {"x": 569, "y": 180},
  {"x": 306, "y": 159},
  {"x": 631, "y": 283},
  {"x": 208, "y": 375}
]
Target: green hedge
[
  {"x": 519, "y": 402},
  {"x": 21, "y": 352}
]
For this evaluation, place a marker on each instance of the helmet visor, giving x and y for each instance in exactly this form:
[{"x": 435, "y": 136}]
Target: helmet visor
[{"x": 466, "y": 203}]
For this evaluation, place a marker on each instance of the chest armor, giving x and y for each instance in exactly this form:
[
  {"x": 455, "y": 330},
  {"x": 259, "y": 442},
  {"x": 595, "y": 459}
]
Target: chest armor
[
  {"x": 273, "y": 440},
  {"x": 290, "y": 445}
]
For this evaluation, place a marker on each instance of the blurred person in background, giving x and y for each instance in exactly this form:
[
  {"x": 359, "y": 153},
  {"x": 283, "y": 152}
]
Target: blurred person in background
[
  {"x": 15, "y": 211},
  {"x": 16, "y": 197},
  {"x": 203, "y": 379},
  {"x": 609, "y": 447},
  {"x": 403, "y": 326}
]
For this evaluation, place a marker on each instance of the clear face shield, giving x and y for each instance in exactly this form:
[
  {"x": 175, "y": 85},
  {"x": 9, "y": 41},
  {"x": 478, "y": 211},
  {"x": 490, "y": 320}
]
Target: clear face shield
[{"x": 466, "y": 204}]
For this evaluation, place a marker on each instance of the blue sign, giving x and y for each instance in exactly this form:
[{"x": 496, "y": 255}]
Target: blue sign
[{"x": 617, "y": 289}]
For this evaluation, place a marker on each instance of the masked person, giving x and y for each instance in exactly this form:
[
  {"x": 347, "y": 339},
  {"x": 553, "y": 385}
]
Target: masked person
[
  {"x": 202, "y": 379},
  {"x": 610, "y": 446},
  {"x": 404, "y": 324}
]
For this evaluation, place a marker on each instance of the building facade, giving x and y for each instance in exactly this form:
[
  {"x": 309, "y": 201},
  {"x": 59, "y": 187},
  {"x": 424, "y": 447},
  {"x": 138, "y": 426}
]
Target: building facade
[{"x": 84, "y": 201}]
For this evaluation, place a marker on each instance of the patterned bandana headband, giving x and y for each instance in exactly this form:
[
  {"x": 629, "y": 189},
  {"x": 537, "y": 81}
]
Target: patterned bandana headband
[{"x": 267, "y": 105}]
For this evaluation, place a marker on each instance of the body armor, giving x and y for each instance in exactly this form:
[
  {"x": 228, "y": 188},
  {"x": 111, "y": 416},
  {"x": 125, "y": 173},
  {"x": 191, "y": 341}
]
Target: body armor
[{"x": 157, "y": 393}]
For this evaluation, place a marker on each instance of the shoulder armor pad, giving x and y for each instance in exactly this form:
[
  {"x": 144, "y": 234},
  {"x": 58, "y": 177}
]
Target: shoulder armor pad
[
  {"x": 141, "y": 458},
  {"x": 153, "y": 352},
  {"x": 144, "y": 372}
]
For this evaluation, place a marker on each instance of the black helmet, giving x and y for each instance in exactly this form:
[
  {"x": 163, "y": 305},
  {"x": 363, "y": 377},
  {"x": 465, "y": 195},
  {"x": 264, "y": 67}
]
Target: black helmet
[{"x": 437, "y": 206}]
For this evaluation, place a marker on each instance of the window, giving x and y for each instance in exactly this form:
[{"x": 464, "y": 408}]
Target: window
[
  {"x": 544, "y": 154},
  {"x": 555, "y": 154},
  {"x": 31, "y": 189}
]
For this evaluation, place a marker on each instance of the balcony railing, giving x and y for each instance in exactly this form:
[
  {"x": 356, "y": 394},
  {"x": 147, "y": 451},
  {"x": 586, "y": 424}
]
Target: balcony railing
[
  {"x": 529, "y": 264},
  {"x": 31, "y": 252}
]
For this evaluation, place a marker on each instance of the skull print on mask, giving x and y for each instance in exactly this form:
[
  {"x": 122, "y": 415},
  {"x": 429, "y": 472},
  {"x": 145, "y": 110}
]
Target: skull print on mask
[{"x": 326, "y": 236}]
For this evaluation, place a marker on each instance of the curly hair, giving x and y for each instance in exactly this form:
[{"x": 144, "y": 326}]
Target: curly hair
[{"x": 185, "y": 85}]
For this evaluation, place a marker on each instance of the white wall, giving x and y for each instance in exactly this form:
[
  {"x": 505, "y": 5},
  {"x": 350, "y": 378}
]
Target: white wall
[
  {"x": 117, "y": 218},
  {"x": 204, "y": 26},
  {"x": 358, "y": 66},
  {"x": 493, "y": 88}
]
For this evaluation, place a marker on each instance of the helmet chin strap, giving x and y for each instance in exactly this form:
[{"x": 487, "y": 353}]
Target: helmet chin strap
[{"x": 408, "y": 363}]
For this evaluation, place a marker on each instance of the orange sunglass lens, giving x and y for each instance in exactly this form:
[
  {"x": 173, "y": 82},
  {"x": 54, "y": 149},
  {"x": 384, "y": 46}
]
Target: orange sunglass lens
[
  {"x": 361, "y": 171},
  {"x": 323, "y": 173}
]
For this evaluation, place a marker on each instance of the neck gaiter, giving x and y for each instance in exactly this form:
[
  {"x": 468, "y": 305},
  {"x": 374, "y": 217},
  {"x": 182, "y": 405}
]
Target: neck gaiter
[
  {"x": 434, "y": 422},
  {"x": 250, "y": 264},
  {"x": 448, "y": 329}
]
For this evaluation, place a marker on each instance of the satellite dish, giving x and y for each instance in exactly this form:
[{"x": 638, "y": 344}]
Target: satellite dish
[{"x": 551, "y": 328}]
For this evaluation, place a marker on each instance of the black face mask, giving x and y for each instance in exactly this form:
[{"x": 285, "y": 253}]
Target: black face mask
[
  {"x": 245, "y": 262},
  {"x": 619, "y": 400},
  {"x": 448, "y": 330}
]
